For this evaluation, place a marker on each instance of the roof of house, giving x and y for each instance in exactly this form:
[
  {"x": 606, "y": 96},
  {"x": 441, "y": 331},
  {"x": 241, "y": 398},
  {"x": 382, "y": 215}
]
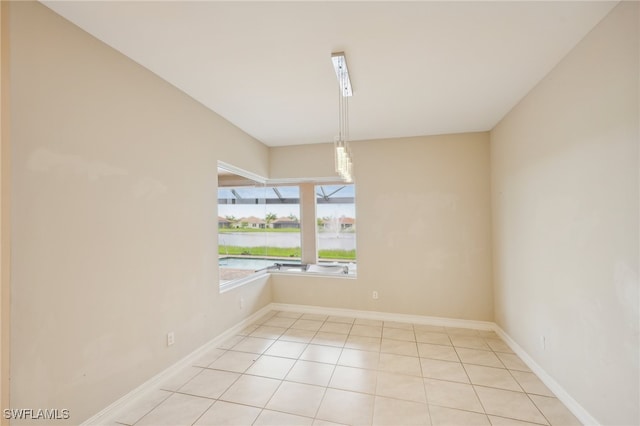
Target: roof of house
[
  {"x": 252, "y": 219},
  {"x": 285, "y": 220}
]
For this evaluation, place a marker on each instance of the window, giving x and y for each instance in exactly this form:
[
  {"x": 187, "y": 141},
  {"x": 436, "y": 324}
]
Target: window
[
  {"x": 336, "y": 223},
  {"x": 260, "y": 227}
]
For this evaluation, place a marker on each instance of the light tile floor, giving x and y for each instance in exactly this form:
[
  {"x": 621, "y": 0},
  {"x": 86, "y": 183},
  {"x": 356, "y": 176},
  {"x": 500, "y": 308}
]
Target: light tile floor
[{"x": 300, "y": 369}]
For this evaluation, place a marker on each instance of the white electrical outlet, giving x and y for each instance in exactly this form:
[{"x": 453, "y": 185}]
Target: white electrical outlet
[
  {"x": 543, "y": 342},
  {"x": 241, "y": 302},
  {"x": 375, "y": 295},
  {"x": 171, "y": 338}
]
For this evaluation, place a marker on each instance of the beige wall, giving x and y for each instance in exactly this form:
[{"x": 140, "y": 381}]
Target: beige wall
[
  {"x": 565, "y": 202},
  {"x": 423, "y": 228},
  {"x": 302, "y": 161},
  {"x": 114, "y": 218},
  {"x": 5, "y": 180}
]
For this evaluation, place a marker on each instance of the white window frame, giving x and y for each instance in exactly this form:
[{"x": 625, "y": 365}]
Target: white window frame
[{"x": 309, "y": 249}]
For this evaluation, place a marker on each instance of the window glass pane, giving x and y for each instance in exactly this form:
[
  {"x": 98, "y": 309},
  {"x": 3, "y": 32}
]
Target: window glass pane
[
  {"x": 258, "y": 226},
  {"x": 336, "y": 223}
]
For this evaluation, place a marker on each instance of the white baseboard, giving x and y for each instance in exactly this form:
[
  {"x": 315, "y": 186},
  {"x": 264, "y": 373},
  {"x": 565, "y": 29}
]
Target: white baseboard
[
  {"x": 109, "y": 414},
  {"x": 385, "y": 316},
  {"x": 571, "y": 404}
]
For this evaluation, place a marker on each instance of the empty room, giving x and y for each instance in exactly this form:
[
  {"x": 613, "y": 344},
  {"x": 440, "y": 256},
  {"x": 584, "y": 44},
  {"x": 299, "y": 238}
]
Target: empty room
[{"x": 320, "y": 213}]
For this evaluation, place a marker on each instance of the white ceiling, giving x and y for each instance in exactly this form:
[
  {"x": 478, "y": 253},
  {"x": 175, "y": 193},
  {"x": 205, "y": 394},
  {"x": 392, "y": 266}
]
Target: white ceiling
[{"x": 417, "y": 68}]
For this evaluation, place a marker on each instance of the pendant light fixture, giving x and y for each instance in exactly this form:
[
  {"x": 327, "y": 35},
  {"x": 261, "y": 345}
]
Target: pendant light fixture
[{"x": 343, "y": 158}]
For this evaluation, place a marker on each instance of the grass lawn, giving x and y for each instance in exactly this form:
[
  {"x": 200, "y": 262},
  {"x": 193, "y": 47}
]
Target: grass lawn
[
  {"x": 248, "y": 230},
  {"x": 284, "y": 252},
  {"x": 259, "y": 251}
]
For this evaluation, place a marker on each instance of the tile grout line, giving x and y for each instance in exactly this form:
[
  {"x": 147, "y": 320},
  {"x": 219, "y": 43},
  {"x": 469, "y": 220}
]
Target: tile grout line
[
  {"x": 519, "y": 385},
  {"x": 154, "y": 407},
  {"x": 299, "y": 359},
  {"x": 244, "y": 373},
  {"x": 538, "y": 408},
  {"x": 424, "y": 385},
  {"x": 203, "y": 413},
  {"x": 475, "y": 392},
  {"x": 326, "y": 388}
]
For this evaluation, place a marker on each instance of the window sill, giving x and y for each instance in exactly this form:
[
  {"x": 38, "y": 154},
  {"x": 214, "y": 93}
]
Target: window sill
[
  {"x": 340, "y": 270},
  {"x": 230, "y": 285},
  {"x": 316, "y": 274}
]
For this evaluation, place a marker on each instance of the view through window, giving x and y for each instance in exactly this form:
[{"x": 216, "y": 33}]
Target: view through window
[
  {"x": 259, "y": 225},
  {"x": 336, "y": 222}
]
